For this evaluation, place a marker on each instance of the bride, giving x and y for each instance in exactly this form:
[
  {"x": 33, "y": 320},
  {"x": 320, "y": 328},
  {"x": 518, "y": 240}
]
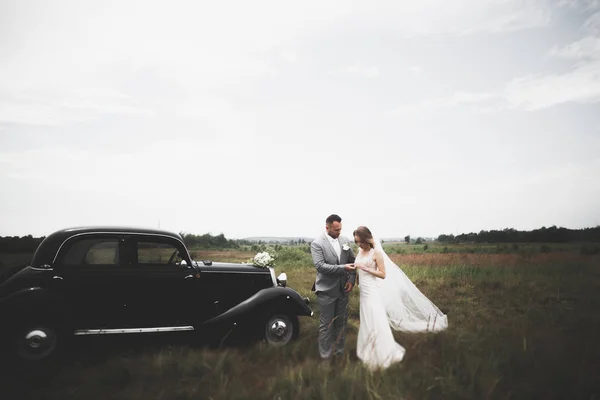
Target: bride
[{"x": 388, "y": 299}]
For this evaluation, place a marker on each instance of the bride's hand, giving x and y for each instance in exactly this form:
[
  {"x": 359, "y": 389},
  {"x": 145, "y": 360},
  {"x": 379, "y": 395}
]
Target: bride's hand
[{"x": 363, "y": 267}]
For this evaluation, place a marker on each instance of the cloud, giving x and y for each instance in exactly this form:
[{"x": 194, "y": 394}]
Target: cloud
[
  {"x": 66, "y": 52},
  {"x": 587, "y": 48},
  {"x": 579, "y": 85},
  {"x": 54, "y": 166},
  {"x": 510, "y": 16},
  {"x": 458, "y": 98},
  {"x": 530, "y": 93},
  {"x": 156, "y": 55},
  {"x": 61, "y": 106},
  {"x": 585, "y": 5},
  {"x": 582, "y": 85},
  {"x": 243, "y": 87},
  {"x": 360, "y": 70},
  {"x": 460, "y": 17},
  {"x": 415, "y": 69},
  {"x": 592, "y": 24},
  {"x": 289, "y": 57}
]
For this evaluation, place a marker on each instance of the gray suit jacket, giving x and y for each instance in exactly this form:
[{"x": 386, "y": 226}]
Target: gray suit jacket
[{"x": 331, "y": 275}]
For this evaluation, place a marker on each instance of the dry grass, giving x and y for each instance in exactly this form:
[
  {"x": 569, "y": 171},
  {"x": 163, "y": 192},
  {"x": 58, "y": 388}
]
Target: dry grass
[
  {"x": 486, "y": 260},
  {"x": 520, "y": 327}
]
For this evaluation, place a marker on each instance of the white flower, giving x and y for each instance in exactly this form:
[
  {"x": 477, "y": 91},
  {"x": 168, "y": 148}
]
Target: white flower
[
  {"x": 345, "y": 247},
  {"x": 263, "y": 260}
]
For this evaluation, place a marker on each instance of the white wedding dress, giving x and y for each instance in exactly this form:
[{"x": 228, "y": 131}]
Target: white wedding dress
[
  {"x": 376, "y": 346},
  {"x": 393, "y": 302}
]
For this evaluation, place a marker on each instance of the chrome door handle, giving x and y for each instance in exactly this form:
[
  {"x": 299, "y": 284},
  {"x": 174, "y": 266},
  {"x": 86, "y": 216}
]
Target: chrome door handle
[
  {"x": 189, "y": 277},
  {"x": 58, "y": 278}
]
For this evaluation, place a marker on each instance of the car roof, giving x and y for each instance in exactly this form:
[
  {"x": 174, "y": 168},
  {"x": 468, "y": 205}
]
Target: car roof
[
  {"x": 106, "y": 229},
  {"x": 47, "y": 249}
]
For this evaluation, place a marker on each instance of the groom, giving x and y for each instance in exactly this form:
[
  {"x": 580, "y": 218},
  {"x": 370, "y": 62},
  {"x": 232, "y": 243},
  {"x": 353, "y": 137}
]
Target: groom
[{"x": 333, "y": 258}]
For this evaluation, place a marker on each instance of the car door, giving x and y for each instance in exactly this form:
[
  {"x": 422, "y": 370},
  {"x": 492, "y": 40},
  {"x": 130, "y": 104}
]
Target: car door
[
  {"x": 165, "y": 291},
  {"x": 89, "y": 275}
]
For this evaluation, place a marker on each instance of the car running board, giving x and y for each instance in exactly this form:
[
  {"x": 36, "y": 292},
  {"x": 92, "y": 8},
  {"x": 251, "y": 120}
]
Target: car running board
[{"x": 81, "y": 332}]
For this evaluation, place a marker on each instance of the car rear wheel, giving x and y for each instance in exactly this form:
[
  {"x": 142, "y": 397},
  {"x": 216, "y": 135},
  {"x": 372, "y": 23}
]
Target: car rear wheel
[
  {"x": 35, "y": 343},
  {"x": 280, "y": 329}
]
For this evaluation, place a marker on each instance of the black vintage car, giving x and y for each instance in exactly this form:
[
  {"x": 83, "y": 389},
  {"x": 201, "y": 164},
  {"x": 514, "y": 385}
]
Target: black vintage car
[{"x": 98, "y": 281}]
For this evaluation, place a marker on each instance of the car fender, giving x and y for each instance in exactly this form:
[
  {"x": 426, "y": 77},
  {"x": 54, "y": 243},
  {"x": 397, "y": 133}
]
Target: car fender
[
  {"x": 25, "y": 302},
  {"x": 281, "y": 298}
]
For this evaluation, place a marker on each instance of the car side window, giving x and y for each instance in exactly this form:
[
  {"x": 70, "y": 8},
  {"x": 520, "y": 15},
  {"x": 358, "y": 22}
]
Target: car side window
[
  {"x": 157, "y": 252},
  {"x": 92, "y": 251}
]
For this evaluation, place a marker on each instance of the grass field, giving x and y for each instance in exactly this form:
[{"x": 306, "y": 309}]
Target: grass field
[{"x": 523, "y": 324}]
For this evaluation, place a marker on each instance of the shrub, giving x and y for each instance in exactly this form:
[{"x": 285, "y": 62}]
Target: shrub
[
  {"x": 589, "y": 250},
  {"x": 502, "y": 248},
  {"x": 292, "y": 256}
]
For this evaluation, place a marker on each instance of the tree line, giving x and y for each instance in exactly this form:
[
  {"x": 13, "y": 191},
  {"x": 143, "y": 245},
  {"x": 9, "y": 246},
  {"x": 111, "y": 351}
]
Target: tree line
[
  {"x": 208, "y": 241},
  {"x": 542, "y": 235},
  {"x": 28, "y": 244},
  {"x": 16, "y": 244}
]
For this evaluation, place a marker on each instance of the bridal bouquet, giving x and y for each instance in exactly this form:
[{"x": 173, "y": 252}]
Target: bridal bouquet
[{"x": 263, "y": 260}]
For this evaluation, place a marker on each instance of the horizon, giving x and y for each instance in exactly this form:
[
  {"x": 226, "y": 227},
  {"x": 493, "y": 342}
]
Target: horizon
[{"x": 293, "y": 237}]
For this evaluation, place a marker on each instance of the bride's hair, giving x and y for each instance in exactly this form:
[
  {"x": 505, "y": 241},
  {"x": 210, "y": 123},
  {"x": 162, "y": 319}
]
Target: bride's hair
[{"x": 364, "y": 235}]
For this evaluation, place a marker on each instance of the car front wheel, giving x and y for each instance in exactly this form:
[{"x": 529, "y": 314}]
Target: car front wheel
[{"x": 280, "y": 329}]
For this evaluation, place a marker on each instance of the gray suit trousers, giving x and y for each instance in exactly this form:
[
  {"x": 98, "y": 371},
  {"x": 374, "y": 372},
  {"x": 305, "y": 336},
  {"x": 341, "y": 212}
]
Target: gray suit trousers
[{"x": 334, "y": 314}]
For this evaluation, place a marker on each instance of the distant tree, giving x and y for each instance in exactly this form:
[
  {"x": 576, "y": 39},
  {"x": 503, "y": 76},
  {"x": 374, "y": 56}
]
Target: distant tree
[
  {"x": 445, "y": 238},
  {"x": 16, "y": 244},
  {"x": 207, "y": 241},
  {"x": 407, "y": 239},
  {"x": 552, "y": 234}
]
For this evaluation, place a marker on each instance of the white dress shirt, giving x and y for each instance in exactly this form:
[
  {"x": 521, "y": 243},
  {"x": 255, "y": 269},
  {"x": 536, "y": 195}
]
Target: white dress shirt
[{"x": 336, "y": 246}]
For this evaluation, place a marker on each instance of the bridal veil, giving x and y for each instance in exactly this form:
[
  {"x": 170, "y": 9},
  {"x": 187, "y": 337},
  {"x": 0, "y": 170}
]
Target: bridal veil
[{"x": 407, "y": 309}]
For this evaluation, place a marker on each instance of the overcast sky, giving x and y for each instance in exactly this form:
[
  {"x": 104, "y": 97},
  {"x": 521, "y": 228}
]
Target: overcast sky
[{"x": 261, "y": 118}]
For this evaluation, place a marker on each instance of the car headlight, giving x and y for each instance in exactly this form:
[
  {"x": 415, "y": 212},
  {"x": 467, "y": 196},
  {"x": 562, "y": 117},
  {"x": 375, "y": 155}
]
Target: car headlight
[{"x": 282, "y": 279}]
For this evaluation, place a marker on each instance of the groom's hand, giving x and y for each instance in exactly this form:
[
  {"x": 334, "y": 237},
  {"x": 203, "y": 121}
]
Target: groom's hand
[
  {"x": 348, "y": 287},
  {"x": 349, "y": 267}
]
